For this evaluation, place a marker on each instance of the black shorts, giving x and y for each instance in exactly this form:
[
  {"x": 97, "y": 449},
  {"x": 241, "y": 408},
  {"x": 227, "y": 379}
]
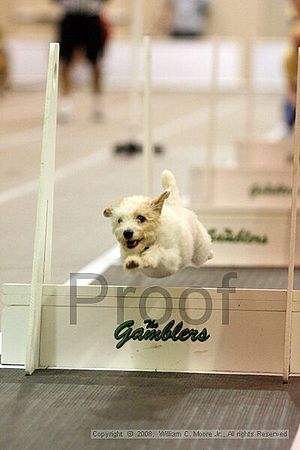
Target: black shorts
[{"x": 84, "y": 32}]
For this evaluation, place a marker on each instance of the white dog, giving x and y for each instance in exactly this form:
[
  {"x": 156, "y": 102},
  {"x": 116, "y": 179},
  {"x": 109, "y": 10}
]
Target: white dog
[{"x": 159, "y": 236}]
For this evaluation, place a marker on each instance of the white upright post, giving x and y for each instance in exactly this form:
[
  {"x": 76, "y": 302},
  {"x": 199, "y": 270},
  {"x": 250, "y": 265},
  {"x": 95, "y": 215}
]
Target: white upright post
[
  {"x": 137, "y": 16},
  {"x": 147, "y": 144},
  {"x": 212, "y": 124},
  {"x": 293, "y": 235},
  {"x": 43, "y": 233},
  {"x": 250, "y": 97}
]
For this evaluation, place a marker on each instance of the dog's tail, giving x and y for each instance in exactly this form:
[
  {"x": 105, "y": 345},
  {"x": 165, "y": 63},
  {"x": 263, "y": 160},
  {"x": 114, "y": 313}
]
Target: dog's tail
[{"x": 169, "y": 182}]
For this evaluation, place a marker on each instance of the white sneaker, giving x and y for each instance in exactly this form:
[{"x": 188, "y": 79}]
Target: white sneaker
[{"x": 277, "y": 133}]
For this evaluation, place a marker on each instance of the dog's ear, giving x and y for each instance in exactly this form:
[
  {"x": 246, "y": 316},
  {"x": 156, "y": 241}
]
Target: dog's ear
[
  {"x": 158, "y": 202},
  {"x": 108, "y": 212}
]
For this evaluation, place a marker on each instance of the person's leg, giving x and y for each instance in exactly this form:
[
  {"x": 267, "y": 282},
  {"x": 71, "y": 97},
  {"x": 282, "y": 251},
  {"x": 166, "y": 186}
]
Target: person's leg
[
  {"x": 65, "y": 77},
  {"x": 68, "y": 42},
  {"x": 65, "y": 111},
  {"x": 94, "y": 49},
  {"x": 289, "y": 114},
  {"x": 96, "y": 91},
  {"x": 96, "y": 79}
]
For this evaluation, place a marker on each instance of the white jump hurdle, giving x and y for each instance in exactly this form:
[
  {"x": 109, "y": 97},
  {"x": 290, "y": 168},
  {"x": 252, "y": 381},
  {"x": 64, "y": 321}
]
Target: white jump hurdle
[
  {"x": 126, "y": 328},
  {"x": 246, "y": 207},
  {"x": 252, "y": 341},
  {"x": 244, "y": 237},
  {"x": 265, "y": 154},
  {"x": 242, "y": 187},
  {"x": 259, "y": 152}
]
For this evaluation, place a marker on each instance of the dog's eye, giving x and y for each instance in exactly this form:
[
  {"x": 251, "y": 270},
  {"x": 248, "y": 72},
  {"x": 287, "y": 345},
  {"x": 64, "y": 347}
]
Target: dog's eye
[
  {"x": 120, "y": 220},
  {"x": 141, "y": 219}
]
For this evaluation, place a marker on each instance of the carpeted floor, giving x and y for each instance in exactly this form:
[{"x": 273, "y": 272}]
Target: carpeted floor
[{"x": 57, "y": 409}]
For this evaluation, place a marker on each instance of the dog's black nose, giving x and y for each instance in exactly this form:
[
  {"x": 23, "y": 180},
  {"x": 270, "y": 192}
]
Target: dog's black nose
[{"x": 128, "y": 234}]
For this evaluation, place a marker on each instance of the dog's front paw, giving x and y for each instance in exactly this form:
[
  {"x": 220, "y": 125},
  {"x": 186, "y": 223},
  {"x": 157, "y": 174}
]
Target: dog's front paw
[
  {"x": 150, "y": 261},
  {"x": 132, "y": 263}
]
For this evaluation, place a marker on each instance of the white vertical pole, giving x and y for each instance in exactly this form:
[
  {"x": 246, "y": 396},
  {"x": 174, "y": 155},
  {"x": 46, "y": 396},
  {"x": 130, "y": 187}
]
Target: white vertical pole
[
  {"x": 212, "y": 124},
  {"x": 50, "y": 154},
  {"x": 250, "y": 98},
  {"x": 147, "y": 144},
  {"x": 293, "y": 235},
  {"x": 137, "y": 16},
  {"x": 43, "y": 232}
]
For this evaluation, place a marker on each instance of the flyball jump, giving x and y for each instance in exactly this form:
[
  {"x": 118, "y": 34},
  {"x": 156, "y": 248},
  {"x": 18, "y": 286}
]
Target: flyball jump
[{"x": 263, "y": 323}]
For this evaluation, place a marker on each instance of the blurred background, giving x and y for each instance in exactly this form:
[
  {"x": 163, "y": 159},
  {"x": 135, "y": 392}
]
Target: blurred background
[
  {"x": 33, "y": 18},
  {"x": 219, "y": 88}
]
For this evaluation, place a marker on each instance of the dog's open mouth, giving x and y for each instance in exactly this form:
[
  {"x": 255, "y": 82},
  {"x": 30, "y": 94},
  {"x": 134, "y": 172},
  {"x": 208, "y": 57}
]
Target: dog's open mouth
[{"x": 133, "y": 244}]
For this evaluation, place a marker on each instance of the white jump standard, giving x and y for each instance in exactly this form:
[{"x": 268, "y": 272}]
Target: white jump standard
[
  {"x": 41, "y": 268},
  {"x": 247, "y": 331}
]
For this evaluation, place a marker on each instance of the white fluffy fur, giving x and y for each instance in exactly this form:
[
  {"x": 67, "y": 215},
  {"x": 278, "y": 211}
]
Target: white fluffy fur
[{"x": 170, "y": 238}]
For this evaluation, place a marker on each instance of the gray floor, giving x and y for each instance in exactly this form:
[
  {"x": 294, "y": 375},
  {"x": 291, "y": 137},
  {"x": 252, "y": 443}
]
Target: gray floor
[
  {"x": 209, "y": 277},
  {"x": 57, "y": 409}
]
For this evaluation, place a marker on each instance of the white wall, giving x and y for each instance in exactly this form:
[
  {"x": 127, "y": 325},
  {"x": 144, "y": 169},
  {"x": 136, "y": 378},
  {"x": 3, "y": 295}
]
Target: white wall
[{"x": 176, "y": 65}]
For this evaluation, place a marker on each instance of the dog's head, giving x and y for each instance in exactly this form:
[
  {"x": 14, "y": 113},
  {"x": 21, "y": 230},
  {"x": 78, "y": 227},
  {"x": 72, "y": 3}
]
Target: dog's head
[{"x": 135, "y": 221}]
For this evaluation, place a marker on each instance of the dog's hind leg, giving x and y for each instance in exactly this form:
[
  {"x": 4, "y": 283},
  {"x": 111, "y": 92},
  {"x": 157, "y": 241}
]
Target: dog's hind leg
[
  {"x": 202, "y": 247},
  {"x": 201, "y": 254}
]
